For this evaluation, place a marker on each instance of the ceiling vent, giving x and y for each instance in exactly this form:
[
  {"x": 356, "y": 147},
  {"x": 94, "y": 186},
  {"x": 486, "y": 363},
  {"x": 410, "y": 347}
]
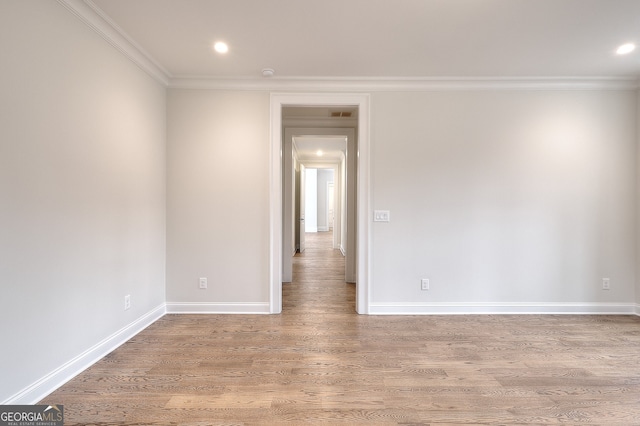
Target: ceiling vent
[{"x": 345, "y": 114}]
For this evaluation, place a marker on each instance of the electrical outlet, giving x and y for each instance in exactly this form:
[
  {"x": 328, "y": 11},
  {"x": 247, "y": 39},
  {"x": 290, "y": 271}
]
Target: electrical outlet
[
  {"x": 203, "y": 283},
  {"x": 606, "y": 284},
  {"x": 424, "y": 284},
  {"x": 127, "y": 302}
]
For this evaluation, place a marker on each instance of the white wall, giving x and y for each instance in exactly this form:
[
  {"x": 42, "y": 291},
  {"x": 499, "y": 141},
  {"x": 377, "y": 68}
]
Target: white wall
[
  {"x": 218, "y": 200},
  {"x": 82, "y": 193},
  {"x": 638, "y": 204},
  {"x": 504, "y": 197}
]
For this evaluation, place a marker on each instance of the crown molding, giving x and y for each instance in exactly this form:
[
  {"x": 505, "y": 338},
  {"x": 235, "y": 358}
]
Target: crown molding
[
  {"x": 375, "y": 84},
  {"x": 89, "y": 13}
]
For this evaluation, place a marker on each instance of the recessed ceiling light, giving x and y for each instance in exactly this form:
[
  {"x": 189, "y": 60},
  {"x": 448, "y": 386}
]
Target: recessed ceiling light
[
  {"x": 221, "y": 47},
  {"x": 268, "y": 72},
  {"x": 319, "y": 153},
  {"x": 626, "y": 48}
]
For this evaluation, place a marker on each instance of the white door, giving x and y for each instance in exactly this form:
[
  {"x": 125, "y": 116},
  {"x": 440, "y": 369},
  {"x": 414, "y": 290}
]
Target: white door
[
  {"x": 301, "y": 206},
  {"x": 330, "y": 208},
  {"x": 311, "y": 200}
]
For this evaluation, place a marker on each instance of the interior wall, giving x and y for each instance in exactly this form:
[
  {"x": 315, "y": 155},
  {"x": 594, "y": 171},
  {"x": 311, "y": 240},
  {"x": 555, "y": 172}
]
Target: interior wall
[
  {"x": 82, "y": 191},
  {"x": 504, "y": 197},
  {"x": 351, "y": 202},
  {"x": 637, "y": 299},
  {"x": 288, "y": 207},
  {"x": 343, "y": 206},
  {"x": 218, "y": 200},
  {"x": 297, "y": 204},
  {"x": 339, "y": 189}
]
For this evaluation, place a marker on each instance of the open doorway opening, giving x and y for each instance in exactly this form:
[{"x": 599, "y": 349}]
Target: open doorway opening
[
  {"x": 315, "y": 165},
  {"x": 283, "y": 178},
  {"x": 315, "y": 238},
  {"x": 316, "y": 204}
]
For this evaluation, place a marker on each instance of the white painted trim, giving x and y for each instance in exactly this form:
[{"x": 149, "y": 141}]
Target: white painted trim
[
  {"x": 323, "y": 228},
  {"x": 502, "y": 308},
  {"x": 89, "y": 13},
  {"x": 278, "y": 100},
  {"x": 638, "y": 309},
  {"x": 363, "y": 209},
  {"x": 342, "y": 250},
  {"x": 216, "y": 308},
  {"x": 61, "y": 375},
  {"x": 381, "y": 84},
  {"x": 275, "y": 207}
]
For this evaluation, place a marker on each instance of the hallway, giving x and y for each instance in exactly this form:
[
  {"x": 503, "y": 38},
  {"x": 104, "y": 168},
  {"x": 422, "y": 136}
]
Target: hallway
[{"x": 318, "y": 284}]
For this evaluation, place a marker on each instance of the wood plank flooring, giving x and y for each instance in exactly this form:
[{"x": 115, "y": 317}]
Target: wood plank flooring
[{"x": 320, "y": 363}]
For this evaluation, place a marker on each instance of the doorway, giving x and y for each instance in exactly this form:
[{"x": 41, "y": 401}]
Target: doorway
[
  {"x": 361, "y": 190},
  {"x": 319, "y": 149},
  {"x": 315, "y": 210}
]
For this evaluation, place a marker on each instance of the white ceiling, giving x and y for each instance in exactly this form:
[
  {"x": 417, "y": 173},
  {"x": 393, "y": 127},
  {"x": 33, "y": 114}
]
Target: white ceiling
[
  {"x": 333, "y": 148},
  {"x": 383, "y": 38}
]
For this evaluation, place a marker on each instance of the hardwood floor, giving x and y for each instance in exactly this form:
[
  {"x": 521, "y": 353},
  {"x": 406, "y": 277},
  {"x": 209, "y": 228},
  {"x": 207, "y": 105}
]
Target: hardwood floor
[{"x": 320, "y": 363}]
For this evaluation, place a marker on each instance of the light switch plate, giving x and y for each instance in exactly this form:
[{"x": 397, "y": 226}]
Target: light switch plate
[{"x": 381, "y": 216}]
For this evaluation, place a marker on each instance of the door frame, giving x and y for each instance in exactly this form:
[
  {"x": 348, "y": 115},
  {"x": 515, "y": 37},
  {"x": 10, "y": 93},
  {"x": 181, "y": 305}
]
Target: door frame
[{"x": 363, "y": 224}]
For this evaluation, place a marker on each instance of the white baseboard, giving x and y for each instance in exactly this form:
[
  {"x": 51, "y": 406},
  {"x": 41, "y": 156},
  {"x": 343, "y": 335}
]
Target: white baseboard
[
  {"x": 342, "y": 250},
  {"x": 61, "y": 375},
  {"x": 323, "y": 228},
  {"x": 217, "y": 308},
  {"x": 503, "y": 308},
  {"x": 638, "y": 309}
]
